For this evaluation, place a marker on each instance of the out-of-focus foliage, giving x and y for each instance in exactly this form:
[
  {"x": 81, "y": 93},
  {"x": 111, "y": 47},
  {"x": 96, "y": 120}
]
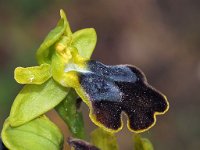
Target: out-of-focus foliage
[
  {"x": 104, "y": 140},
  {"x": 142, "y": 143}
]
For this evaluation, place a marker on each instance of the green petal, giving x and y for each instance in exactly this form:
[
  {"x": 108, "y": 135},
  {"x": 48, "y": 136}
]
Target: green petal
[
  {"x": 38, "y": 134},
  {"x": 35, "y": 100},
  {"x": 67, "y": 109},
  {"x": 44, "y": 52},
  {"x": 68, "y": 29},
  {"x": 104, "y": 140},
  {"x": 33, "y": 75},
  {"x": 85, "y": 41},
  {"x": 142, "y": 143}
]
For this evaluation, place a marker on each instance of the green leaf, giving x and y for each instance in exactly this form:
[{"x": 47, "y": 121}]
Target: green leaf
[
  {"x": 67, "y": 109},
  {"x": 33, "y": 75},
  {"x": 85, "y": 41},
  {"x": 35, "y": 100},
  {"x": 142, "y": 143},
  {"x": 104, "y": 140},
  {"x": 44, "y": 52},
  {"x": 38, "y": 134}
]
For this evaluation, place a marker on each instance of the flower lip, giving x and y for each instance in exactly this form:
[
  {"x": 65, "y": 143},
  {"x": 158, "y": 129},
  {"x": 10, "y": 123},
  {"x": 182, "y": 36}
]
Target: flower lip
[
  {"x": 120, "y": 73},
  {"x": 100, "y": 88},
  {"x": 81, "y": 145},
  {"x": 108, "y": 95}
]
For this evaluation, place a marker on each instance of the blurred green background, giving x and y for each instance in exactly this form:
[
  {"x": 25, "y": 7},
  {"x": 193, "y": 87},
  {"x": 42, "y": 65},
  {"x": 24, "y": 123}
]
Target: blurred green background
[{"x": 162, "y": 37}]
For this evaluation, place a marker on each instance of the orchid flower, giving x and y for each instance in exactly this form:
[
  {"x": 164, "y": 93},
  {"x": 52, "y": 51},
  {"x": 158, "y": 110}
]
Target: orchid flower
[{"x": 66, "y": 72}]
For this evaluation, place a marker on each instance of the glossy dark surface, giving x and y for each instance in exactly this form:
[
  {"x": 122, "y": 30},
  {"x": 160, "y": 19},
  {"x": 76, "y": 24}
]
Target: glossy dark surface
[
  {"x": 100, "y": 88},
  {"x": 78, "y": 144},
  {"x": 129, "y": 92},
  {"x": 2, "y": 146}
]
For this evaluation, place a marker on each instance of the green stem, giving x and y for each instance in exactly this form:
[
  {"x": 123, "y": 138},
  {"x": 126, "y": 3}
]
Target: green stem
[{"x": 67, "y": 110}]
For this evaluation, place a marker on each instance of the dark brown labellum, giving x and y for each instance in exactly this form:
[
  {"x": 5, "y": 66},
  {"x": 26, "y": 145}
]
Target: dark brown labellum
[{"x": 122, "y": 88}]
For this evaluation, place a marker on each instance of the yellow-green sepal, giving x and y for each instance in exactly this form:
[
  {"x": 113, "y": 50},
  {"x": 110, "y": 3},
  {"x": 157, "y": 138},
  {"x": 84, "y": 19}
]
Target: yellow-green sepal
[
  {"x": 85, "y": 41},
  {"x": 45, "y": 50},
  {"x": 38, "y": 134},
  {"x": 34, "y": 100},
  {"x": 142, "y": 143},
  {"x": 33, "y": 75},
  {"x": 104, "y": 140}
]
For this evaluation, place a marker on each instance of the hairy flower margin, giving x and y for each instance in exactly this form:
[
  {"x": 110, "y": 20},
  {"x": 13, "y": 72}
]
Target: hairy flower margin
[{"x": 65, "y": 67}]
